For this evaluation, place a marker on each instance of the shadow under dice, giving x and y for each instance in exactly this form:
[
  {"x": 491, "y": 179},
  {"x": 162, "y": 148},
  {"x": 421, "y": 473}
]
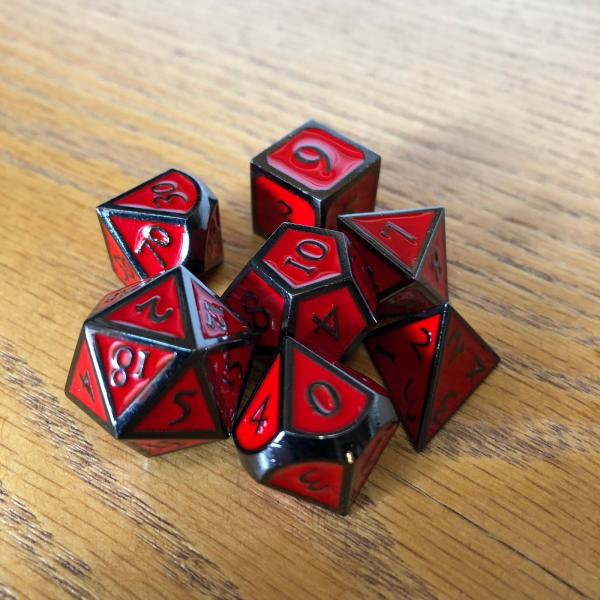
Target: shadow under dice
[
  {"x": 161, "y": 364},
  {"x": 405, "y": 254},
  {"x": 170, "y": 220},
  {"x": 431, "y": 363},
  {"x": 311, "y": 176},
  {"x": 313, "y": 428},
  {"x": 308, "y": 283}
]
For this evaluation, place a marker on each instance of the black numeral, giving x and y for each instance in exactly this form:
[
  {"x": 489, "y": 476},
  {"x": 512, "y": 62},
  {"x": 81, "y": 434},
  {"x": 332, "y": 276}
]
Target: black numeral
[
  {"x": 87, "y": 384},
  {"x": 438, "y": 417},
  {"x": 315, "y": 390},
  {"x": 154, "y": 238},
  {"x": 313, "y": 250},
  {"x": 381, "y": 350},
  {"x": 287, "y": 209},
  {"x": 409, "y": 403},
  {"x": 329, "y": 323},
  {"x": 436, "y": 263},
  {"x": 259, "y": 415},
  {"x": 477, "y": 369},
  {"x": 165, "y": 192},
  {"x": 389, "y": 226},
  {"x": 313, "y": 484},
  {"x": 185, "y": 408},
  {"x": 215, "y": 316},
  {"x": 231, "y": 367},
  {"x": 261, "y": 319},
  {"x": 301, "y": 156},
  {"x": 458, "y": 346},
  {"x": 416, "y": 345},
  {"x": 153, "y": 314}
]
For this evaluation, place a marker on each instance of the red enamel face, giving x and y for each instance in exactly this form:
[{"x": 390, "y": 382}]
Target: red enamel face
[
  {"x": 260, "y": 306},
  {"x": 121, "y": 265},
  {"x": 156, "y": 309},
  {"x": 227, "y": 370},
  {"x": 320, "y": 482},
  {"x": 316, "y": 158},
  {"x": 216, "y": 320},
  {"x": 403, "y": 234},
  {"x": 323, "y": 403},
  {"x": 171, "y": 192},
  {"x": 214, "y": 242},
  {"x": 361, "y": 276},
  {"x": 273, "y": 205},
  {"x": 84, "y": 384},
  {"x": 182, "y": 408},
  {"x": 466, "y": 362},
  {"x": 369, "y": 458},
  {"x": 405, "y": 358},
  {"x": 434, "y": 271},
  {"x": 329, "y": 322},
  {"x": 129, "y": 368},
  {"x": 359, "y": 198},
  {"x": 304, "y": 257},
  {"x": 157, "y": 246},
  {"x": 259, "y": 422}
]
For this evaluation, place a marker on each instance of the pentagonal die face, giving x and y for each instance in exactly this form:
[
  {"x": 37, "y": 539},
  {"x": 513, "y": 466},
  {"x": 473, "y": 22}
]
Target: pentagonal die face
[
  {"x": 405, "y": 254},
  {"x": 305, "y": 282},
  {"x": 162, "y": 362},
  {"x": 309, "y": 177},
  {"x": 170, "y": 220},
  {"x": 431, "y": 363},
  {"x": 313, "y": 429}
]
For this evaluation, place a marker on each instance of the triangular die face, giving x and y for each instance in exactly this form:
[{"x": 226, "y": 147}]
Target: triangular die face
[
  {"x": 157, "y": 246},
  {"x": 129, "y": 368},
  {"x": 259, "y": 422},
  {"x": 153, "y": 308},
  {"x": 170, "y": 192},
  {"x": 121, "y": 265},
  {"x": 370, "y": 456},
  {"x": 228, "y": 368},
  {"x": 405, "y": 358},
  {"x": 433, "y": 271},
  {"x": 216, "y": 320},
  {"x": 320, "y": 482},
  {"x": 159, "y": 447},
  {"x": 322, "y": 401},
  {"x": 181, "y": 409},
  {"x": 404, "y": 234},
  {"x": 84, "y": 384},
  {"x": 466, "y": 361}
]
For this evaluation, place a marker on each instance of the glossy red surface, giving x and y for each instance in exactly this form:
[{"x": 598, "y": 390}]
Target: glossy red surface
[
  {"x": 273, "y": 205},
  {"x": 172, "y": 192},
  {"x": 157, "y": 246},
  {"x": 466, "y": 362},
  {"x": 227, "y": 369},
  {"x": 84, "y": 385},
  {"x": 320, "y": 482},
  {"x": 322, "y": 402},
  {"x": 434, "y": 270},
  {"x": 304, "y": 257},
  {"x": 216, "y": 320},
  {"x": 158, "y": 447},
  {"x": 370, "y": 456},
  {"x": 182, "y": 408},
  {"x": 358, "y": 198},
  {"x": 404, "y": 234},
  {"x": 260, "y": 306},
  {"x": 405, "y": 357},
  {"x": 330, "y": 322},
  {"x": 316, "y": 159},
  {"x": 121, "y": 266},
  {"x": 157, "y": 309},
  {"x": 361, "y": 276},
  {"x": 214, "y": 241},
  {"x": 259, "y": 422},
  {"x": 129, "y": 367}
]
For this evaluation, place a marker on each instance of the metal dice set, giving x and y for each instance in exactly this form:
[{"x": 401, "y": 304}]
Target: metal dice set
[{"x": 163, "y": 362}]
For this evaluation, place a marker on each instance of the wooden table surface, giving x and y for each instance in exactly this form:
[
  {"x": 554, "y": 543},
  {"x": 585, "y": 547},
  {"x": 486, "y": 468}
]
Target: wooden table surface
[{"x": 489, "y": 109}]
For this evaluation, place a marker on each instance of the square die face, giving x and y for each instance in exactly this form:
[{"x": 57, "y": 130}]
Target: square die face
[{"x": 316, "y": 158}]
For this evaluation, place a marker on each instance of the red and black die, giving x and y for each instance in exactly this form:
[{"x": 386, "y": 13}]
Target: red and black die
[
  {"x": 161, "y": 364},
  {"x": 170, "y": 220},
  {"x": 431, "y": 363},
  {"x": 309, "y": 177},
  {"x": 313, "y": 428},
  {"x": 405, "y": 254},
  {"x": 308, "y": 283}
]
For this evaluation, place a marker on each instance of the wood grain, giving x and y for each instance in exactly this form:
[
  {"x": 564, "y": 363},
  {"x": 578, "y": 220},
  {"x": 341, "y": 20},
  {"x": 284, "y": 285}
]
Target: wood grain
[{"x": 487, "y": 108}]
